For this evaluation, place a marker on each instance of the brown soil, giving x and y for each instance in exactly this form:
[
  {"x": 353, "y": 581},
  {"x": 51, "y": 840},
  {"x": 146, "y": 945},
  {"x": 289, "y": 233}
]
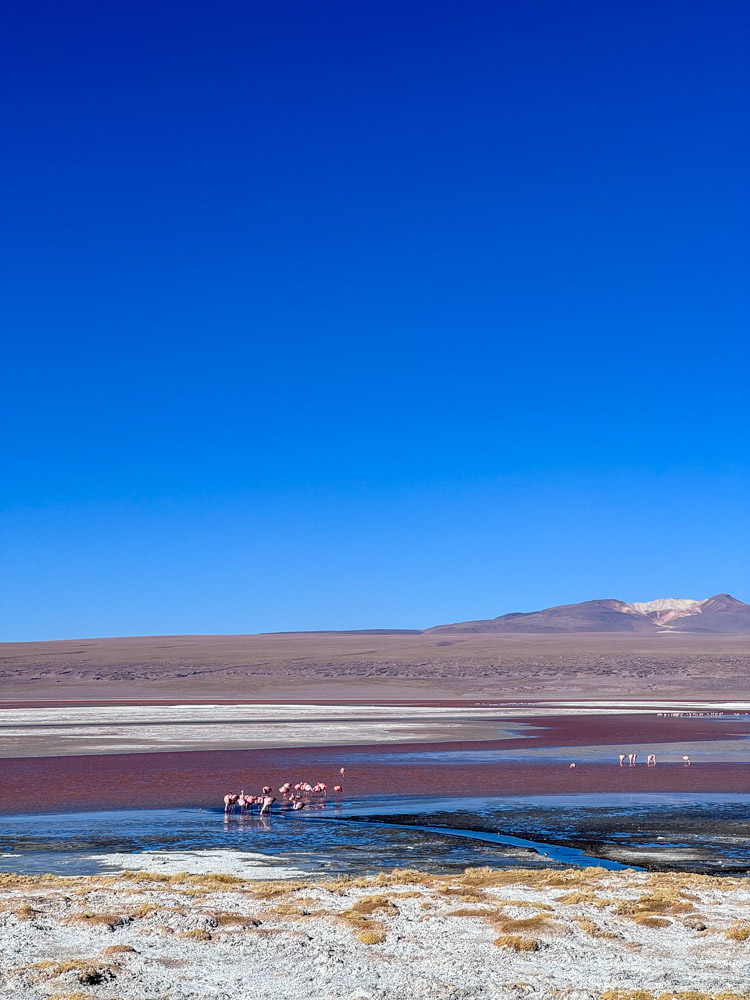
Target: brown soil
[{"x": 383, "y": 667}]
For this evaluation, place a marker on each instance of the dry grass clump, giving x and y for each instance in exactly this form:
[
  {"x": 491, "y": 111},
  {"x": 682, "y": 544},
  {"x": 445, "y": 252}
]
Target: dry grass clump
[
  {"x": 645, "y": 920},
  {"x": 371, "y": 935},
  {"x": 578, "y": 896},
  {"x": 539, "y": 922},
  {"x": 510, "y": 926},
  {"x": 593, "y": 929},
  {"x": 89, "y": 971},
  {"x": 117, "y": 949},
  {"x": 646, "y": 910},
  {"x": 622, "y": 994},
  {"x": 269, "y": 890},
  {"x": 234, "y": 920},
  {"x": 108, "y": 920},
  {"x": 467, "y": 893},
  {"x": 290, "y": 910},
  {"x": 738, "y": 932},
  {"x": 197, "y": 934},
  {"x": 25, "y": 912},
  {"x": 368, "y": 905},
  {"x": 517, "y": 943},
  {"x": 71, "y": 996}
]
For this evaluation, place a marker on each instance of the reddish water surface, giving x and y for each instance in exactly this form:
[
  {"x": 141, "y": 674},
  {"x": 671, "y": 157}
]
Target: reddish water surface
[{"x": 150, "y": 780}]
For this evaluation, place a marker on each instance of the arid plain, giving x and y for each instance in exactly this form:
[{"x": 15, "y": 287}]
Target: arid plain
[{"x": 378, "y": 666}]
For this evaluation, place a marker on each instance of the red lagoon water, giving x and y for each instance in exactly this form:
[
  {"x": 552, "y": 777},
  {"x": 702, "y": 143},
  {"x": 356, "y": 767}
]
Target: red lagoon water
[{"x": 151, "y": 780}]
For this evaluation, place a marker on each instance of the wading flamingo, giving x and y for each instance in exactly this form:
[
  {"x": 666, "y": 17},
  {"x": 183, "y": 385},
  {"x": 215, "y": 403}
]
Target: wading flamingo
[
  {"x": 342, "y": 771},
  {"x": 622, "y": 759},
  {"x": 267, "y": 802},
  {"x": 298, "y": 805},
  {"x": 571, "y": 766},
  {"x": 337, "y": 788},
  {"x": 686, "y": 759},
  {"x": 230, "y": 801},
  {"x": 651, "y": 760}
]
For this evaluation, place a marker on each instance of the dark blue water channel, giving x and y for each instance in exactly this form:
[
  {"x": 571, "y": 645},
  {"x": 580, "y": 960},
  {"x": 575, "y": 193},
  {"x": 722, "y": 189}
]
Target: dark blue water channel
[{"x": 696, "y": 832}]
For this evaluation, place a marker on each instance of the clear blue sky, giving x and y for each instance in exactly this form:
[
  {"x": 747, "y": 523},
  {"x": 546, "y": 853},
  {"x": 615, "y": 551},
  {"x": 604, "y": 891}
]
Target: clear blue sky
[{"x": 344, "y": 315}]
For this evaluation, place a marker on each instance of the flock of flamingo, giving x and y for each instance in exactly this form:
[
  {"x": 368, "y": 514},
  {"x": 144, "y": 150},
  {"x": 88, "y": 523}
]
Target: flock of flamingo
[
  {"x": 632, "y": 759},
  {"x": 298, "y": 795}
]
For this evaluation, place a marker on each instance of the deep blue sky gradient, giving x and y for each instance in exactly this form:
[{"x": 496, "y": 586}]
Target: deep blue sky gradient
[{"x": 349, "y": 315}]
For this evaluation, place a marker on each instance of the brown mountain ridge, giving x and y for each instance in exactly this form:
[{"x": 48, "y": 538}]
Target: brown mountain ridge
[{"x": 721, "y": 614}]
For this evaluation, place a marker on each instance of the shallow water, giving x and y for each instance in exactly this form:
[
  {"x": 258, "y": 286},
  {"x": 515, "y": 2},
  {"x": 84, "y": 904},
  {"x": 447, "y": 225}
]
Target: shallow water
[{"x": 709, "y": 833}]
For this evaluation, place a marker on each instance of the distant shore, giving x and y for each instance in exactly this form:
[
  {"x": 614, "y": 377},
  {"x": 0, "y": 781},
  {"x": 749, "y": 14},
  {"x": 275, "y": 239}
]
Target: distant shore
[{"x": 372, "y": 667}]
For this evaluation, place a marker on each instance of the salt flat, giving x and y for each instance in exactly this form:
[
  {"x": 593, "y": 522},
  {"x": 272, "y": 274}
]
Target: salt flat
[
  {"x": 65, "y": 730},
  {"x": 585, "y": 934}
]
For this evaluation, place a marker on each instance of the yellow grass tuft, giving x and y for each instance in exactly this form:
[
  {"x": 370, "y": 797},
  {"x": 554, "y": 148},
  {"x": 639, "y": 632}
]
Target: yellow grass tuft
[
  {"x": 108, "y": 920},
  {"x": 372, "y": 935},
  {"x": 372, "y": 904},
  {"x": 25, "y": 912},
  {"x": 645, "y": 920},
  {"x": 197, "y": 934},
  {"x": 578, "y": 896},
  {"x": 289, "y": 910},
  {"x": 685, "y": 995},
  {"x": 539, "y": 922},
  {"x": 593, "y": 929},
  {"x": 235, "y": 920},
  {"x": 738, "y": 932},
  {"x": 117, "y": 949},
  {"x": 517, "y": 943},
  {"x": 71, "y": 996},
  {"x": 622, "y": 994}
]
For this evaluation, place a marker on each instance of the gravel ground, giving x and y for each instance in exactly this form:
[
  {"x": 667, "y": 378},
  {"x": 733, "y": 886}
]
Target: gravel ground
[{"x": 585, "y": 934}]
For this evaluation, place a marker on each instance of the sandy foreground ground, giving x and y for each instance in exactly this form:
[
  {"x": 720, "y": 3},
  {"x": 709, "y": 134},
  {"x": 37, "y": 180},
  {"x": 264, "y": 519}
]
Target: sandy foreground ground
[{"x": 584, "y": 934}]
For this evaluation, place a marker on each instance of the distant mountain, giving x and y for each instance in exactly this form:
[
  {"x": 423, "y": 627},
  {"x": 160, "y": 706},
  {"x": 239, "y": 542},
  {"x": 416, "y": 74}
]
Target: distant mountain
[{"x": 722, "y": 613}]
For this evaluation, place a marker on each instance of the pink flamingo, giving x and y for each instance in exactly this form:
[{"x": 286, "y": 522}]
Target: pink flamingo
[
  {"x": 651, "y": 760},
  {"x": 571, "y": 766},
  {"x": 230, "y": 801},
  {"x": 298, "y": 805},
  {"x": 267, "y": 789},
  {"x": 342, "y": 771},
  {"x": 323, "y": 787},
  {"x": 337, "y": 788},
  {"x": 632, "y": 757},
  {"x": 268, "y": 801},
  {"x": 622, "y": 759},
  {"x": 686, "y": 759}
]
